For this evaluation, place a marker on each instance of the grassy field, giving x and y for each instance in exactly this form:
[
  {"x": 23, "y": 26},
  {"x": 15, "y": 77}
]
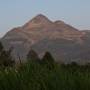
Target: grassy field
[{"x": 40, "y": 76}]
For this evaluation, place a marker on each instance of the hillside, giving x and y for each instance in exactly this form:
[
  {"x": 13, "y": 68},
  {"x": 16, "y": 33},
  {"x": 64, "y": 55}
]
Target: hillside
[{"x": 63, "y": 41}]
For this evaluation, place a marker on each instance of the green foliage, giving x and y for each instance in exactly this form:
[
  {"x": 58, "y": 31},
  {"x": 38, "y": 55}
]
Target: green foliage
[
  {"x": 45, "y": 75},
  {"x": 32, "y": 76}
]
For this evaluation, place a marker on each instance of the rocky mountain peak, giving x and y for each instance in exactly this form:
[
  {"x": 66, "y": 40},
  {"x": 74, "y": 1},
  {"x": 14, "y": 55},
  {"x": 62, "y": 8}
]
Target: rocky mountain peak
[
  {"x": 39, "y": 20},
  {"x": 59, "y": 22},
  {"x": 40, "y": 17}
]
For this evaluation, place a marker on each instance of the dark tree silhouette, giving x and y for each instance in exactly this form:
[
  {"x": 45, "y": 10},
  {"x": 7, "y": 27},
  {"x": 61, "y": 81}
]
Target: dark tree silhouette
[
  {"x": 1, "y": 47},
  {"x": 5, "y": 57},
  {"x": 48, "y": 60},
  {"x": 33, "y": 56}
]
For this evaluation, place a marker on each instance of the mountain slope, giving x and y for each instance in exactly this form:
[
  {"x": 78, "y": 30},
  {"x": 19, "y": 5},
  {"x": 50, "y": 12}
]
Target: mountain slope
[{"x": 62, "y": 40}]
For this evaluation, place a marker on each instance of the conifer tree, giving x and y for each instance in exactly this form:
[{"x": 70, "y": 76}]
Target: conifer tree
[
  {"x": 1, "y": 47},
  {"x": 33, "y": 56},
  {"x": 5, "y": 57},
  {"x": 48, "y": 60}
]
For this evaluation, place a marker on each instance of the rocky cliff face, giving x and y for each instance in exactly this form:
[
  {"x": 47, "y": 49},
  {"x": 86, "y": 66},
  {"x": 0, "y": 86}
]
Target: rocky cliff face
[{"x": 41, "y": 34}]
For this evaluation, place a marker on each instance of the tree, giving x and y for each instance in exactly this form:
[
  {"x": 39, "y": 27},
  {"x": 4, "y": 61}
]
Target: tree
[
  {"x": 33, "y": 56},
  {"x": 5, "y": 57},
  {"x": 48, "y": 60},
  {"x": 1, "y": 47}
]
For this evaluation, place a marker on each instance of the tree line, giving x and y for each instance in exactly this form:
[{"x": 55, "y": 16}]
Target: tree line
[{"x": 6, "y": 59}]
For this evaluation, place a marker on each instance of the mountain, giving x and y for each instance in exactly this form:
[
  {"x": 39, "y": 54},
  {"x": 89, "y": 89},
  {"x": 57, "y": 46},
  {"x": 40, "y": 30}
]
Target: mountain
[{"x": 65, "y": 42}]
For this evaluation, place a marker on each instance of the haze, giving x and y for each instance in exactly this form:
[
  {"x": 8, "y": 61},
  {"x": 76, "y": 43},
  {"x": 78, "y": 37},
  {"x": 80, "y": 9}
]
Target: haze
[{"x": 14, "y": 13}]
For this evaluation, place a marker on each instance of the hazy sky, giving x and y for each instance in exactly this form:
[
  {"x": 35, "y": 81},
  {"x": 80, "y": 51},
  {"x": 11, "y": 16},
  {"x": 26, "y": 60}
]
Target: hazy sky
[{"x": 17, "y": 12}]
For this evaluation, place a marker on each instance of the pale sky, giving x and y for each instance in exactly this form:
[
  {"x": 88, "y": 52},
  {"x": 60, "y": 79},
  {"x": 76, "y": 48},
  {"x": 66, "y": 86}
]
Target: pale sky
[{"x": 14, "y": 13}]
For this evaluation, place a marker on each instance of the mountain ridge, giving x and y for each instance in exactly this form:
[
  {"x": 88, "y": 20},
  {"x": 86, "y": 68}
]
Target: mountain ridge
[{"x": 43, "y": 35}]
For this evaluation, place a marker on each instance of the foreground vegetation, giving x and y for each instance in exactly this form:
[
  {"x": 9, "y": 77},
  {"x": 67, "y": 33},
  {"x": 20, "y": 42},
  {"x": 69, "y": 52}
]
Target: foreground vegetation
[{"x": 41, "y": 74}]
